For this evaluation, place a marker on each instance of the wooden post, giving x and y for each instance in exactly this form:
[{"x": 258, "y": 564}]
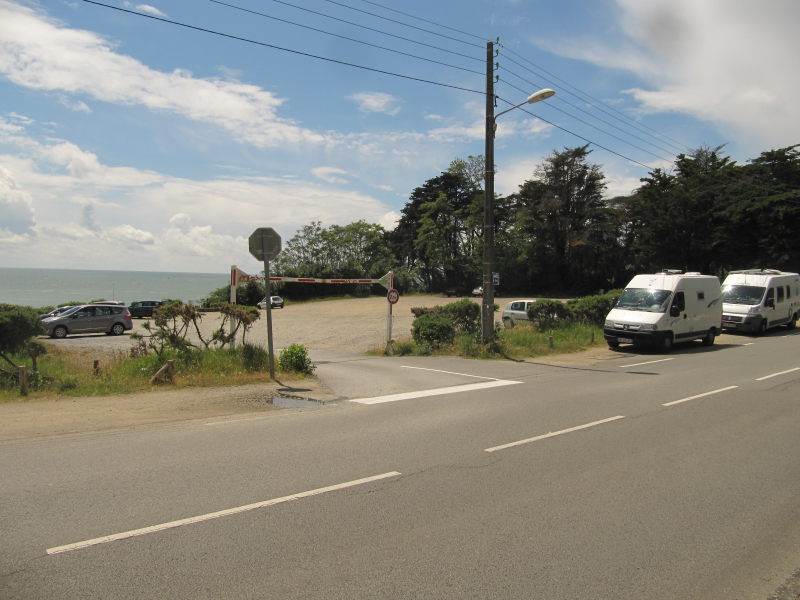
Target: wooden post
[
  {"x": 23, "y": 380},
  {"x": 165, "y": 373},
  {"x": 96, "y": 367}
]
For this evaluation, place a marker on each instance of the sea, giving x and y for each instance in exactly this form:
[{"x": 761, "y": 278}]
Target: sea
[{"x": 50, "y": 287}]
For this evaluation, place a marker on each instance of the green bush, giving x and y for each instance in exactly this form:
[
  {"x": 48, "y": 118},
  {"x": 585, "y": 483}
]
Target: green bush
[
  {"x": 547, "y": 313},
  {"x": 254, "y": 358},
  {"x": 593, "y": 309},
  {"x": 433, "y": 329},
  {"x": 465, "y": 315},
  {"x": 295, "y": 358}
]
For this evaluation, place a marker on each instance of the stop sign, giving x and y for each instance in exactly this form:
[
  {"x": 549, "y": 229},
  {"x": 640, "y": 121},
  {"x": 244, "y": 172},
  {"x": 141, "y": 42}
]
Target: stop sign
[{"x": 265, "y": 243}]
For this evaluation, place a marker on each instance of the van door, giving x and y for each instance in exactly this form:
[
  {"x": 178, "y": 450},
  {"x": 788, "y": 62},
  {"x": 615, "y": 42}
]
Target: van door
[
  {"x": 770, "y": 314},
  {"x": 679, "y": 321}
]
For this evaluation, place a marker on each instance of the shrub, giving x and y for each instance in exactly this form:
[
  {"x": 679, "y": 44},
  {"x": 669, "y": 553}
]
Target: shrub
[
  {"x": 295, "y": 358},
  {"x": 592, "y": 309},
  {"x": 465, "y": 315},
  {"x": 433, "y": 329},
  {"x": 547, "y": 313},
  {"x": 18, "y": 324},
  {"x": 254, "y": 358}
]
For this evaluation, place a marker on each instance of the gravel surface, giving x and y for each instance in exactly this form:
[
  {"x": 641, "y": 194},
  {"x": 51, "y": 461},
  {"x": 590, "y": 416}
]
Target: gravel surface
[{"x": 355, "y": 325}]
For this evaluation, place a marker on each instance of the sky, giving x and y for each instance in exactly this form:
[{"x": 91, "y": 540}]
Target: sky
[{"x": 158, "y": 136}]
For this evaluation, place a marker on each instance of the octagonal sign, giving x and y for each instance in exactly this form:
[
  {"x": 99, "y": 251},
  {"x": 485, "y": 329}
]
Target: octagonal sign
[{"x": 265, "y": 243}]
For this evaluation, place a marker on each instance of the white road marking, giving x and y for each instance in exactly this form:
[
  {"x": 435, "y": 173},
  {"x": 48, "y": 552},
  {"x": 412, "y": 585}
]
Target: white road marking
[
  {"x": 649, "y": 362},
  {"x": 467, "y": 387},
  {"x": 451, "y": 372},
  {"x": 552, "y": 434},
  {"x": 778, "y": 374},
  {"x": 216, "y": 515},
  {"x": 704, "y": 394}
]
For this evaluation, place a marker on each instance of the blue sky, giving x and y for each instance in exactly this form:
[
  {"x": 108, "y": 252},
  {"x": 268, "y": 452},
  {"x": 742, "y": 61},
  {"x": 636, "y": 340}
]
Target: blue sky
[{"x": 128, "y": 142}]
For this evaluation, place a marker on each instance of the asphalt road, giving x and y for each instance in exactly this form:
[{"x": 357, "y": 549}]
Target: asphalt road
[{"x": 648, "y": 476}]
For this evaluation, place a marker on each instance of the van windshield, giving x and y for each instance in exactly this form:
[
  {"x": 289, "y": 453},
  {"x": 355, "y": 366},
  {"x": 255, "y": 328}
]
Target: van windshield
[
  {"x": 742, "y": 294},
  {"x": 645, "y": 299}
]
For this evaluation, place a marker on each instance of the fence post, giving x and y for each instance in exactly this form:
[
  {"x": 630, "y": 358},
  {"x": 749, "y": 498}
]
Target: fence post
[
  {"x": 96, "y": 367},
  {"x": 23, "y": 380}
]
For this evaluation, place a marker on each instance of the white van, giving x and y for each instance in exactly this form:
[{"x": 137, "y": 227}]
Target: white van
[
  {"x": 666, "y": 307},
  {"x": 757, "y": 299}
]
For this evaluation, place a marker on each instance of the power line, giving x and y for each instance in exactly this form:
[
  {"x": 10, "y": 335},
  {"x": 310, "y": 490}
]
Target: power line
[
  {"x": 273, "y": 46},
  {"x": 327, "y": 16},
  {"x": 656, "y": 133},
  {"x": 344, "y": 37},
  {"x": 400, "y": 12}
]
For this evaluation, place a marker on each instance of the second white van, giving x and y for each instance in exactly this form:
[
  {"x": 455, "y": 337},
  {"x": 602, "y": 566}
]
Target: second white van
[
  {"x": 756, "y": 299},
  {"x": 663, "y": 308}
]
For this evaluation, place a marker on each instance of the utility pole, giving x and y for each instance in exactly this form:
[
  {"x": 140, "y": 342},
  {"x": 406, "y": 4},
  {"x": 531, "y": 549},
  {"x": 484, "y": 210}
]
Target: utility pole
[{"x": 487, "y": 299}]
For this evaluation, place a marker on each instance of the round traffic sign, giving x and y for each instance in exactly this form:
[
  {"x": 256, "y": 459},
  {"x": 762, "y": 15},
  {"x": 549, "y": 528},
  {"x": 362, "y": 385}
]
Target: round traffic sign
[{"x": 393, "y": 296}]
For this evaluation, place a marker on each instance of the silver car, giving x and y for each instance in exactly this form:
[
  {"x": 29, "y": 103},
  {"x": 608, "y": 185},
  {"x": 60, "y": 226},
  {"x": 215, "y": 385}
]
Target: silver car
[
  {"x": 110, "y": 319},
  {"x": 516, "y": 311}
]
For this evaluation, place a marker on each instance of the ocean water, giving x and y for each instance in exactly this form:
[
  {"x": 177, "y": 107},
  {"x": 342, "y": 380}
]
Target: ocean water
[{"x": 49, "y": 287}]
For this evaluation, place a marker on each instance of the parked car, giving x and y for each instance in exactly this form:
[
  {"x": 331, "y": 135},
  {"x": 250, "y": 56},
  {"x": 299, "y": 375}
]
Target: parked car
[
  {"x": 144, "y": 308},
  {"x": 515, "y": 312},
  {"x": 110, "y": 319},
  {"x": 478, "y": 291},
  {"x": 275, "y": 301},
  {"x": 57, "y": 311}
]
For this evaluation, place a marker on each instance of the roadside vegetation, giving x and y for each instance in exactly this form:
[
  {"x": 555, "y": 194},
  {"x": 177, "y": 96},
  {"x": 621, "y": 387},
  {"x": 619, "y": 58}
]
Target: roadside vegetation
[
  {"x": 163, "y": 356},
  {"x": 554, "y": 327}
]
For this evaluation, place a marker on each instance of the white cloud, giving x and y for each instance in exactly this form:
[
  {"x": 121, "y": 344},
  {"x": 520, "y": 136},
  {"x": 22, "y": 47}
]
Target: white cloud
[
  {"x": 330, "y": 174},
  {"x": 376, "y": 102},
  {"x": 724, "y": 62},
  {"x": 35, "y": 52},
  {"x": 145, "y": 8},
  {"x": 16, "y": 211}
]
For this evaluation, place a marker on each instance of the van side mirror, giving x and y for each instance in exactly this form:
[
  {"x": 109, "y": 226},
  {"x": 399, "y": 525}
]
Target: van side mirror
[
  {"x": 770, "y": 303},
  {"x": 674, "y": 311}
]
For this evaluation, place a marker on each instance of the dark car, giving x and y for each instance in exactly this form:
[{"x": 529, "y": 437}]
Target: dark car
[
  {"x": 144, "y": 308},
  {"x": 56, "y": 311},
  {"x": 110, "y": 319},
  {"x": 275, "y": 301}
]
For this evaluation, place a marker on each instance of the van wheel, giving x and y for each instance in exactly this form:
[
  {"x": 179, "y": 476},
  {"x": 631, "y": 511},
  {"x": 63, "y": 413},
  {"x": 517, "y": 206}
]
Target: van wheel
[
  {"x": 708, "y": 340},
  {"x": 792, "y": 322},
  {"x": 666, "y": 343},
  {"x": 508, "y": 322},
  {"x": 762, "y": 329}
]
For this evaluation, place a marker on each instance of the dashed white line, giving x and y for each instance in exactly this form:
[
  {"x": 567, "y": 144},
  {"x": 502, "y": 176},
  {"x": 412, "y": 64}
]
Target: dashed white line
[
  {"x": 216, "y": 515},
  {"x": 649, "y": 362},
  {"x": 704, "y": 394},
  {"x": 777, "y": 374},
  {"x": 552, "y": 434}
]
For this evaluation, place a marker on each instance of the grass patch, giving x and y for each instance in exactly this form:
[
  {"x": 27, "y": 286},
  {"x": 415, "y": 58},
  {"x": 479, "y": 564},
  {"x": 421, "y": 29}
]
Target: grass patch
[
  {"x": 522, "y": 341},
  {"x": 72, "y": 374}
]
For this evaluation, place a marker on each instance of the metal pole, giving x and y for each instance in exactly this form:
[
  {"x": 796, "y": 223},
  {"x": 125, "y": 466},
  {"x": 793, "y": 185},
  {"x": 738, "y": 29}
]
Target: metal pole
[
  {"x": 487, "y": 300},
  {"x": 269, "y": 320}
]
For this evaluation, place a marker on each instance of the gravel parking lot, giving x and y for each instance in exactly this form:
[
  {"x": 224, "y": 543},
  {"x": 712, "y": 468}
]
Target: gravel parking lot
[{"x": 355, "y": 325}]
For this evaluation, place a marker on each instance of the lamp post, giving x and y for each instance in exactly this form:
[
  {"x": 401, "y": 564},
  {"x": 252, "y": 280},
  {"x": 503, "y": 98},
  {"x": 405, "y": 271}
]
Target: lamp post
[{"x": 487, "y": 299}]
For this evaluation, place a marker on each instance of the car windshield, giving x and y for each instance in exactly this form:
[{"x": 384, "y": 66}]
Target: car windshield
[
  {"x": 69, "y": 311},
  {"x": 742, "y": 294},
  {"x": 645, "y": 299}
]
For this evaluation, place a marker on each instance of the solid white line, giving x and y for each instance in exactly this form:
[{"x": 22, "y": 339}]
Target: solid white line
[
  {"x": 777, "y": 374},
  {"x": 467, "y": 387},
  {"x": 649, "y": 362},
  {"x": 216, "y": 515},
  {"x": 450, "y": 372},
  {"x": 712, "y": 392},
  {"x": 552, "y": 434}
]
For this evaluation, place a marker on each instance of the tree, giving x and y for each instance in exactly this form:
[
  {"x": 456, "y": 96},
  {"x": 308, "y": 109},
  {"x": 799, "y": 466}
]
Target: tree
[
  {"x": 18, "y": 324},
  {"x": 562, "y": 223}
]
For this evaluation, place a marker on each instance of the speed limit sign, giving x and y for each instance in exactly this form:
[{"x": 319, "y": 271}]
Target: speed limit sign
[{"x": 393, "y": 296}]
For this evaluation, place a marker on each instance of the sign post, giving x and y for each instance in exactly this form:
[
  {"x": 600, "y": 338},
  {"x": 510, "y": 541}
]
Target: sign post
[
  {"x": 265, "y": 244},
  {"x": 391, "y": 298}
]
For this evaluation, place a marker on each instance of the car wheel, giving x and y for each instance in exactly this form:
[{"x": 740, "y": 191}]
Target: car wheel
[
  {"x": 59, "y": 332},
  {"x": 613, "y": 345},
  {"x": 117, "y": 329},
  {"x": 708, "y": 340},
  {"x": 666, "y": 343}
]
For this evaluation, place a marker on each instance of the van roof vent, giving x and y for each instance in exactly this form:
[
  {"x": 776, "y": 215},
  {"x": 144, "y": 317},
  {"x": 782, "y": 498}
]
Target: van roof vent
[
  {"x": 672, "y": 271},
  {"x": 758, "y": 272},
  {"x": 693, "y": 273}
]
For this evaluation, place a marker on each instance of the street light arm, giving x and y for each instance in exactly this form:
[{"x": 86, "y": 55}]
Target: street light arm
[{"x": 542, "y": 94}]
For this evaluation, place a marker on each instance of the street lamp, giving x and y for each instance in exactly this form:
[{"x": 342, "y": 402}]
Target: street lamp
[{"x": 487, "y": 300}]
